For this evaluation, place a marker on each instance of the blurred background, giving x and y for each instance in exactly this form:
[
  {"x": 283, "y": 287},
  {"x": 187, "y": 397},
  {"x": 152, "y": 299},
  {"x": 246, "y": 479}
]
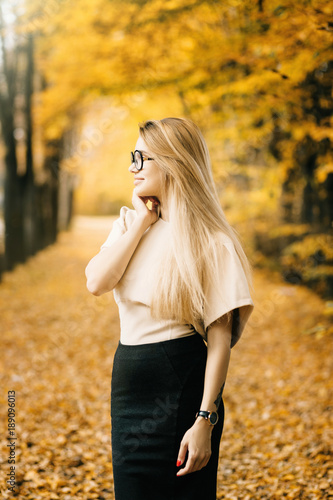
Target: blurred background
[{"x": 76, "y": 78}]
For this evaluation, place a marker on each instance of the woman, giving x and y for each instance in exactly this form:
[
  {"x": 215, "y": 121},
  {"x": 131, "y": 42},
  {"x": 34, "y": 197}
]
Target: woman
[{"x": 180, "y": 279}]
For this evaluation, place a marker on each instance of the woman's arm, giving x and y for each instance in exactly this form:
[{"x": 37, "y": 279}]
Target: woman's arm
[
  {"x": 197, "y": 440},
  {"x": 107, "y": 267}
]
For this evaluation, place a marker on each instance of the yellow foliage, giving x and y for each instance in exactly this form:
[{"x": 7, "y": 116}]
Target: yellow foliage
[
  {"x": 288, "y": 230},
  {"x": 234, "y": 69},
  {"x": 324, "y": 169},
  {"x": 310, "y": 245}
]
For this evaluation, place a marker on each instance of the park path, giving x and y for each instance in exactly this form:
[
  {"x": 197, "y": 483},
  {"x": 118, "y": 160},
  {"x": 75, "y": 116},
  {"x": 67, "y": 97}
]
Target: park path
[{"x": 57, "y": 348}]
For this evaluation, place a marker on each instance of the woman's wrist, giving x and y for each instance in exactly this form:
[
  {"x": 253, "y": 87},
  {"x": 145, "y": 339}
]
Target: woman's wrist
[{"x": 202, "y": 423}]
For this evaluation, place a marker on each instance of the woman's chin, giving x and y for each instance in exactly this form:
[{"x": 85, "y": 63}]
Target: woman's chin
[{"x": 142, "y": 192}]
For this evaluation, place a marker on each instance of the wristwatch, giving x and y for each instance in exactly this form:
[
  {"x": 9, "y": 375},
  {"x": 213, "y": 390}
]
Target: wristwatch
[{"x": 211, "y": 416}]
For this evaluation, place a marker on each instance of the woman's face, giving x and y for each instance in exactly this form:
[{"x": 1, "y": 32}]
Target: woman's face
[{"x": 149, "y": 181}]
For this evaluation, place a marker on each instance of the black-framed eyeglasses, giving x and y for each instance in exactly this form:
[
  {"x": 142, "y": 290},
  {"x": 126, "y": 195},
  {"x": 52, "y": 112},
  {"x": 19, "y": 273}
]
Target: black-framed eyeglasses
[{"x": 138, "y": 158}]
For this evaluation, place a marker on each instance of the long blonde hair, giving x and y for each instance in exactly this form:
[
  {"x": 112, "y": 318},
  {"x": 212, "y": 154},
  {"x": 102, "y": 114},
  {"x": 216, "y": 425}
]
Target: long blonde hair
[{"x": 195, "y": 216}]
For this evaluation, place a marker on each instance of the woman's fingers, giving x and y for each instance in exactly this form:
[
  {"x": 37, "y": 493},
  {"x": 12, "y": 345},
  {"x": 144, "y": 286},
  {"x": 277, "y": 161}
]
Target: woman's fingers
[
  {"x": 149, "y": 213},
  {"x": 182, "y": 452},
  {"x": 193, "y": 464},
  {"x": 188, "y": 467}
]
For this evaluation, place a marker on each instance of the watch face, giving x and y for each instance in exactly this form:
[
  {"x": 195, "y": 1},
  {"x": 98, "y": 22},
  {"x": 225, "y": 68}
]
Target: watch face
[{"x": 213, "y": 417}]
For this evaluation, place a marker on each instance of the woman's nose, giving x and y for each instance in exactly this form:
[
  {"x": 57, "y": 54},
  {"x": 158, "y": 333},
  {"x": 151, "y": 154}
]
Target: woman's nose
[{"x": 132, "y": 167}]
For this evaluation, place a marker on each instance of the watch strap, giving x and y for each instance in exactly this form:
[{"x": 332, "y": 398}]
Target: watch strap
[
  {"x": 206, "y": 415},
  {"x": 202, "y": 413}
]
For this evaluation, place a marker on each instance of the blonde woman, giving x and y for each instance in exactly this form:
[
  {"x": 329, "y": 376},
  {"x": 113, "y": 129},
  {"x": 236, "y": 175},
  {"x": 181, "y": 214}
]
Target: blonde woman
[{"x": 181, "y": 280}]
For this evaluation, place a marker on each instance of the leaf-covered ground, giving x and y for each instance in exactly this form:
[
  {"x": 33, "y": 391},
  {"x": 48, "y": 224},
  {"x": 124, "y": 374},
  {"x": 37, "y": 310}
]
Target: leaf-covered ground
[{"x": 57, "y": 348}]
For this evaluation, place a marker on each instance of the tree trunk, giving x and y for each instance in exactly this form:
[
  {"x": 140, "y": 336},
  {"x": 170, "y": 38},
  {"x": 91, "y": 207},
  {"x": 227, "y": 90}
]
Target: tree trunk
[
  {"x": 30, "y": 216},
  {"x": 13, "y": 207}
]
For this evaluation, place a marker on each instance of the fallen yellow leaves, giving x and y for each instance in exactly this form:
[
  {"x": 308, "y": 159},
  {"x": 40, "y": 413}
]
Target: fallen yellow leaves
[{"x": 58, "y": 343}]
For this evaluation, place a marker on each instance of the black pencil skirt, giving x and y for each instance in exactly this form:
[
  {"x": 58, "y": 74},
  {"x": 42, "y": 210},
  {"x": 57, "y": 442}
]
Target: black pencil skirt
[{"x": 156, "y": 390}]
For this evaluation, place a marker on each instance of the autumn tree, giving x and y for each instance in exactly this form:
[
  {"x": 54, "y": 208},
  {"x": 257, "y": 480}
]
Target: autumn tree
[
  {"x": 256, "y": 76},
  {"x": 30, "y": 201}
]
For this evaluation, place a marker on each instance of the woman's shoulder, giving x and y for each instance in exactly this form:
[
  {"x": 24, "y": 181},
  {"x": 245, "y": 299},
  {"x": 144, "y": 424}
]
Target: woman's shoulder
[{"x": 224, "y": 240}]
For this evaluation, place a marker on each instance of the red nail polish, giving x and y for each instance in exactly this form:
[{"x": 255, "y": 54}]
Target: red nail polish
[{"x": 178, "y": 463}]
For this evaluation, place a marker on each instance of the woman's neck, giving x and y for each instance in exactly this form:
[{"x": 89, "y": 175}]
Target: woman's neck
[
  {"x": 164, "y": 215},
  {"x": 164, "y": 211}
]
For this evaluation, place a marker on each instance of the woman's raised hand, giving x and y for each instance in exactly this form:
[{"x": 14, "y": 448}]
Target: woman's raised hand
[{"x": 150, "y": 216}]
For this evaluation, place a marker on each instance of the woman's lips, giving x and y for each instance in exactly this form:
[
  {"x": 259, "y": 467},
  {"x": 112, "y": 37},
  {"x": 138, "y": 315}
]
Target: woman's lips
[{"x": 136, "y": 181}]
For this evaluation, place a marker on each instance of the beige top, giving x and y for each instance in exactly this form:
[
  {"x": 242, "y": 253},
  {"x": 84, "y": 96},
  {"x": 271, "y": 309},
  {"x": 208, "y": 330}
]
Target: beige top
[{"x": 133, "y": 293}]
